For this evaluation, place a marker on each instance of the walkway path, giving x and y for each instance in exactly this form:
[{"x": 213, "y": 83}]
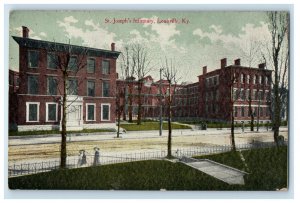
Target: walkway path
[{"x": 222, "y": 172}]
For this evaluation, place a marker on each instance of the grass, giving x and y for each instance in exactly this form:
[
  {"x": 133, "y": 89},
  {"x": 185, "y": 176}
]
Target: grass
[
  {"x": 143, "y": 175},
  {"x": 268, "y": 172},
  {"x": 228, "y": 125},
  {"x": 46, "y": 132},
  {"x": 268, "y": 167},
  {"x": 151, "y": 126}
]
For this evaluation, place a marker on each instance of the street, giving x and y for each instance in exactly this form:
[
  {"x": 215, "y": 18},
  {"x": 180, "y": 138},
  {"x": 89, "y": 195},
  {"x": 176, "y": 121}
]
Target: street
[{"x": 41, "y": 148}]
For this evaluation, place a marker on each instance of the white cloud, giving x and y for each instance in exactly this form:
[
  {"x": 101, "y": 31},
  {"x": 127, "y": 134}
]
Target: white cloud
[
  {"x": 70, "y": 19},
  {"x": 43, "y": 34},
  {"x": 96, "y": 37},
  {"x": 228, "y": 45},
  {"x": 164, "y": 33},
  {"x": 18, "y": 31}
]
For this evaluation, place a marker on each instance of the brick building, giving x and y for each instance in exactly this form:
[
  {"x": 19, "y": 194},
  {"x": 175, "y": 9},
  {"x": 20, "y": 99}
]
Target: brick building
[
  {"x": 150, "y": 96},
  {"x": 91, "y": 84},
  {"x": 234, "y": 88}
]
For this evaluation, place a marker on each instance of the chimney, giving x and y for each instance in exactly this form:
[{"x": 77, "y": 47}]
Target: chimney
[
  {"x": 261, "y": 66},
  {"x": 204, "y": 69},
  {"x": 112, "y": 46},
  {"x": 223, "y": 62},
  {"x": 25, "y": 31},
  {"x": 237, "y": 62}
]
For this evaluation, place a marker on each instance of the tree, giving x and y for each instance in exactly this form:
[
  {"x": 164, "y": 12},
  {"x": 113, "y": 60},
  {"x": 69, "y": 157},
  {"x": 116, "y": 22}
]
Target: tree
[
  {"x": 141, "y": 64},
  {"x": 230, "y": 93},
  {"x": 119, "y": 108},
  {"x": 277, "y": 54},
  {"x": 251, "y": 52},
  {"x": 69, "y": 61},
  {"x": 128, "y": 72},
  {"x": 171, "y": 75}
]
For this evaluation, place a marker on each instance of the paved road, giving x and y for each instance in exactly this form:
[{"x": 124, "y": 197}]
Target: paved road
[{"x": 48, "y": 139}]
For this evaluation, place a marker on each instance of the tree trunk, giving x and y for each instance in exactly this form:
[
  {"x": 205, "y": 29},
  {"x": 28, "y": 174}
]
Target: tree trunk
[
  {"x": 130, "y": 105},
  {"x": 119, "y": 118},
  {"x": 169, "y": 125},
  {"x": 139, "y": 118},
  {"x": 232, "y": 132},
  {"x": 63, "y": 148}
]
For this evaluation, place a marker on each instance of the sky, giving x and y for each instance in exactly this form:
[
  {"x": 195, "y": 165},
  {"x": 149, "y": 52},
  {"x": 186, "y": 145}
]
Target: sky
[{"x": 195, "y": 40}]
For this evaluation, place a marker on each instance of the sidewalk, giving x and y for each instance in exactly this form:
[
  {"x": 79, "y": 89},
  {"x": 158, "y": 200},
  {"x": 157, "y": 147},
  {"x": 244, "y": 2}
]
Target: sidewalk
[{"x": 76, "y": 137}]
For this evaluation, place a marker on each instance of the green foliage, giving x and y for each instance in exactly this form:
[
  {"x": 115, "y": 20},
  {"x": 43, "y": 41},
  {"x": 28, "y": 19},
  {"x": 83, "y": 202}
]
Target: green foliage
[
  {"x": 143, "y": 175},
  {"x": 268, "y": 171},
  {"x": 152, "y": 126},
  {"x": 268, "y": 167}
]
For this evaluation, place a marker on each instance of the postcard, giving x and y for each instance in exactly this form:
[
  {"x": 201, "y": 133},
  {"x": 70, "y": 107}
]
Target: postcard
[{"x": 148, "y": 100}]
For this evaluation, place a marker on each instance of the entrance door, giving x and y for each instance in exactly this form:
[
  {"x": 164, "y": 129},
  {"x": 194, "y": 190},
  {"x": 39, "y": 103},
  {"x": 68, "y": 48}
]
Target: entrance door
[{"x": 74, "y": 115}]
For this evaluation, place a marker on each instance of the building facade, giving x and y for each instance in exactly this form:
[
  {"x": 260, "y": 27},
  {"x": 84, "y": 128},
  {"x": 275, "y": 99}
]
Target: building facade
[
  {"x": 90, "y": 85},
  {"x": 153, "y": 94},
  {"x": 235, "y": 89},
  {"x": 217, "y": 96}
]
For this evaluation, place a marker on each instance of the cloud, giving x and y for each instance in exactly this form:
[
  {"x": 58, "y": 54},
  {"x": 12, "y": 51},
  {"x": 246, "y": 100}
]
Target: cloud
[
  {"x": 93, "y": 35},
  {"x": 43, "y": 34},
  {"x": 70, "y": 19},
  {"x": 19, "y": 32},
  {"x": 164, "y": 33}
]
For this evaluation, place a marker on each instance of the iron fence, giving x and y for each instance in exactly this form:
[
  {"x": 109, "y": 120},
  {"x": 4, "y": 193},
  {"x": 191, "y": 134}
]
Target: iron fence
[{"x": 114, "y": 158}]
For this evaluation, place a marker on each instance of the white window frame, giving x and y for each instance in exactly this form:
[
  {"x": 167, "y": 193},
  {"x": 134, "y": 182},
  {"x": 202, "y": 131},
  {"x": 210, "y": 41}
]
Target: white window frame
[
  {"x": 27, "y": 112},
  {"x": 47, "y": 110},
  {"x": 86, "y": 111},
  {"x": 28, "y": 58},
  {"x": 87, "y": 65},
  {"x": 108, "y": 111}
]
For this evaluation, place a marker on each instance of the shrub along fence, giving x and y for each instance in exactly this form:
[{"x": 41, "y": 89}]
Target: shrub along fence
[{"x": 113, "y": 158}]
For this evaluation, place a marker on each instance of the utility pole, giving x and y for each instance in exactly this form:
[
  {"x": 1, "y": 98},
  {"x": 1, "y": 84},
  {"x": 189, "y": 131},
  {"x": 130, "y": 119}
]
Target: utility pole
[
  {"x": 160, "y": 107},
  {"x": 258, "y": 109}
]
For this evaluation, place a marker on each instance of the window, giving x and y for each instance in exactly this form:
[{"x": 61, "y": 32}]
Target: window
[
  {"x": 242, "y": 111},
  {"x": 261, "y": 112},
  {"x": 91, "y": 88},
  {"x": 51, "y": 112},
  {"x": 105, "y": 112},
  {"x": 254, "y": 95},
  {"x": 52, "y": 60},
  {"x": 105, "y": 89},
  {"x": 72, "y": 66},
  {"x": 32, "y": 111},
  {"x": 72, "y": 87},
  {"x": 33, "y": 59},
  {"x": 105, "y": 67},
  {"x": 256, "y": 79},
  {"x": 242, "y": 78},
  {"x": 90, "y": 112},
  {"x": 261, "y": 78},
  {"x": 51, "y": 86},
  {"x": 247, "y": 94},
  {"x": 235, "y": 111},
  {"x": 91, "y": 65},
  {"x": 33, "y": 84},
  {"x": 248, "y": 79}
]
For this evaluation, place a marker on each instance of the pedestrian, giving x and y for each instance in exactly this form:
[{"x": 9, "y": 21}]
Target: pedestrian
[
  {"x": 97, "y": 156},
  {"x": 80, "y": 157},
  {"x": 83, "y": 160}
]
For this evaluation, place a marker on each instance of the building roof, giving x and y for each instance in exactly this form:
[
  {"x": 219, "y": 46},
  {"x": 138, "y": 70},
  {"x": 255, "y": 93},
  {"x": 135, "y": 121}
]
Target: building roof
[{"x": 54, "y": 46}]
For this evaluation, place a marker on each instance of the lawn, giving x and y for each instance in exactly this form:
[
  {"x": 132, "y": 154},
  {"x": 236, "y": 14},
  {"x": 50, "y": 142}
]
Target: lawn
[
  {"x": 268, "y": 168},
  {"x": 268, "y": 171},
  {"x": 151, "y": 126}
]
